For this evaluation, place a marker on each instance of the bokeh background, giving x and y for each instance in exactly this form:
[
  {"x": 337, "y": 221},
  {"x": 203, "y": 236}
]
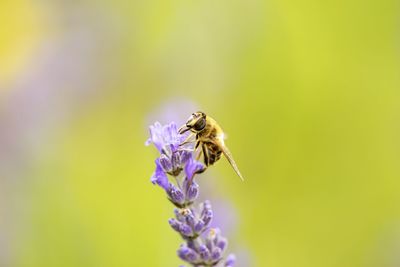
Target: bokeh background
[{"x": 307, "y": 91}]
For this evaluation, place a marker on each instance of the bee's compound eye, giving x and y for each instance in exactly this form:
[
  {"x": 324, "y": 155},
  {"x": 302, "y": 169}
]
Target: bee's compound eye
[{"x": 200, "y": 124}]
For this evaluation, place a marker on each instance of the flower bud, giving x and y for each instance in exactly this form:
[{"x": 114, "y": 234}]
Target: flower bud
[
  {"x": 165, "y": 163},
  {"x": 206, "y": 206},
  {"x": 185, "y": 156},
  {"x": 186, "y": 230},
  {"x": 216, "y": 254},
  {"x": 174, "y": 224},
  {"x": 178, "y": 215},
  {"x": 176, "y": 195},
  {"x": 204, "y": 253},
  {"x": 207, "y": 217},
  {"x": 222, "y": 243},
  {"x": 192, "y": 191},
  {"x": 190, "y": 219},
  {"x": 230, "y": 260},
  {"x": 176, "y": 160},
  {"x": 188, "y": 254},
  {"x": 199, "y": 226}
]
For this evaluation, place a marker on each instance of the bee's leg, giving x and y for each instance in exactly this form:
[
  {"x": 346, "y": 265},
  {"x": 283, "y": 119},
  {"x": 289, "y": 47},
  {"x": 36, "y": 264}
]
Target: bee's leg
[
  {"x": 187, "y": 140},
  {"x": 195, "y": 148},
  {"x": 204, "y": 151},
  {"x": 202, "y": 170},
  {"x": 185, "y": 149},
  {"x": 205, "y": 154}
]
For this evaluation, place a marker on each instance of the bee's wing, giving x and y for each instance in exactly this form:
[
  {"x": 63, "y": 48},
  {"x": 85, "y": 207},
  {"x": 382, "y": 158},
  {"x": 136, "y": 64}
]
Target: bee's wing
[{"x": 229, "y": 157}]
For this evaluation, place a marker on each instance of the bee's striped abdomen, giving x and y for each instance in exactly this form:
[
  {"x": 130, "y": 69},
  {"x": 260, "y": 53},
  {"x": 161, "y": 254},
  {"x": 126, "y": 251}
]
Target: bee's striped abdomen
[{"x": 214, "y": 153}]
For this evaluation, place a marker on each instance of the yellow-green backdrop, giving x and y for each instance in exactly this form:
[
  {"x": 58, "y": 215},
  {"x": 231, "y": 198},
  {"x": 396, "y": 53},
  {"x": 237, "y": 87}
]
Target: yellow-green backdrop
[{"x": 307, "y": 91}]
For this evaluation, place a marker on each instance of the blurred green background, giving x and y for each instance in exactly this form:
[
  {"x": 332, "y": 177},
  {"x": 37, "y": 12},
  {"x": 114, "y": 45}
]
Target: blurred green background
[{"x": 307, "y": 91}]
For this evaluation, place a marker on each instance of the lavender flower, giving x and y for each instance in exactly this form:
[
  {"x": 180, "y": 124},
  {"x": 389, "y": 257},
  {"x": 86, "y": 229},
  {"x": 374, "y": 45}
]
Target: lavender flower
[
  {"x": 173, "y": 158},
  {"x": 203, "y": 246}
]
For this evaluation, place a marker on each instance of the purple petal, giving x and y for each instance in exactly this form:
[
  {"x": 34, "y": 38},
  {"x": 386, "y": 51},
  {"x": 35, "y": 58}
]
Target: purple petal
[
  {"x": 179, "y": 216},
  {"x": 190, "y": 219},
  {"x": 216, "y": 254},
  {"x": 185, "y": 230},
  {"x": 176, "y": 160},
  {"x": 159, "y": 177},
  {"x": 192, "y": 166},
  {"x": 166, "y": 135},
  {"x": 182, "y": 252},
  {"x": 192, "y": 191},
  {"x": 188, "y": 254},
  {"x": 185, "y": 156},
  {"x": 207, "y": 217},
  {"x": 199, "y": 227},
  {"x": 222, "y": 243},
  {"x": 204, "y": 252},
  {"x": 148, "y": 142},
  {"x": 230, "y": 260},
  {"x": 156, "y": 136},
  {"x": 175, "y": 194},
  {"x": 165, "y": 163},
  {"x": 174, "y": 224}
]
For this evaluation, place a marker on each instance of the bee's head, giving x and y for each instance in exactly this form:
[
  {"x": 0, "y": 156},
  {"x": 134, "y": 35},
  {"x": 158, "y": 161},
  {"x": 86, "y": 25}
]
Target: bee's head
[{"x": 195, "y": 123}]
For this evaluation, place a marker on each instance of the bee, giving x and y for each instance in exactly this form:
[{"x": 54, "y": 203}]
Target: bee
[{"x": 211, "y": 138}]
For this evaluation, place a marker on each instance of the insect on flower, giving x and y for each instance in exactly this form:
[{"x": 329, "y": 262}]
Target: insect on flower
[
  {"x": 211, "y": 138},
  {"x": 203, "y": 245}
]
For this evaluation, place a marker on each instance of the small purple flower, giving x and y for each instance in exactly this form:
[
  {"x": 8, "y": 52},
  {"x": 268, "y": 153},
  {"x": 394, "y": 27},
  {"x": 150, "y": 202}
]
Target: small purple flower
[
  {"x": 222, "y": 243},
  {"x": 192, "y": 167},
  {"x": 175, "y": 194},
  {"x": 188, "y": 254},
  {"x": 176, "y": 225},
  {"x": 159, "y": 176},
  {"x": 162, "y": 136},
  {"x": 204, "y": 253},
  {"x": 186, "y": 230},
  {"x": 190, "y": 219},
  {"x": 173, "y": 157},
  {"x": 230, "y": 260},
  {"x": 199, "y": 227},
  {"x": 192, "y": 190},
  {"x": 206, "y": 213}
]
